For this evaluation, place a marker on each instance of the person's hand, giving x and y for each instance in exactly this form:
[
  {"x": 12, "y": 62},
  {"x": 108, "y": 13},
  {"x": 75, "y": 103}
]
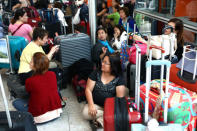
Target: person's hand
[
  {"x": 92, "y": 110},
  {"x": 115, "y": 35},
  {"x": 55, "y": 49},
  {"x": 137, "y": 38},
  {"x": 104, "y": 50}
]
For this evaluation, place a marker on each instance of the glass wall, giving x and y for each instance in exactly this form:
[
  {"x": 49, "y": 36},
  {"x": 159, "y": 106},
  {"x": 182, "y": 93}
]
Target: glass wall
[{"x": 156, "y": 13}]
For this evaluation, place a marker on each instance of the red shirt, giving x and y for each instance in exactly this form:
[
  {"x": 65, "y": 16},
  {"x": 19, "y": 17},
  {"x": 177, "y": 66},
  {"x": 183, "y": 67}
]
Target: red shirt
[{"x": 43, "y": 92}]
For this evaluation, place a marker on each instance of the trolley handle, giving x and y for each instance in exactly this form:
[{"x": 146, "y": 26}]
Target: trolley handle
[{"x": 157, "y": 47}]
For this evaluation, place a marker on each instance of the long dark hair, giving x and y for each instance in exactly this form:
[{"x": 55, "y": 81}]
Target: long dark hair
[
  {"x": 40, "y": 63},
  {"x": 115, "y": 63},
  {"x": 17, "y": 14},
  {"x": 179, "y": 29},
  {"x": 121, "y": 28}
]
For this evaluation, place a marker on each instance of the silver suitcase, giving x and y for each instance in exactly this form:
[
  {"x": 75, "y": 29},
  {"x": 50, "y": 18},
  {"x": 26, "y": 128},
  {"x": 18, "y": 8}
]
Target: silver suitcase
[{"x": 74, "y": 47}]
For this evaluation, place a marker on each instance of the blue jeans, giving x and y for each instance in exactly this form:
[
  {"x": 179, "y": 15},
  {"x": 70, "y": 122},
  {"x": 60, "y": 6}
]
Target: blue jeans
[{"x": 21, "y": 104}]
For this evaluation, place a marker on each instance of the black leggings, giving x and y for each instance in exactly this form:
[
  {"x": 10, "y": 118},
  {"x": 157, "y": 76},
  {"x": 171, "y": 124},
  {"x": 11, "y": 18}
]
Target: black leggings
[{"x": 24, "y": 76}]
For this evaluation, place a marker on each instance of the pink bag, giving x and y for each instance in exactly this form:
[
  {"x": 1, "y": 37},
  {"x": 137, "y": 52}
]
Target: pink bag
[{"x": 132, "y": 51}]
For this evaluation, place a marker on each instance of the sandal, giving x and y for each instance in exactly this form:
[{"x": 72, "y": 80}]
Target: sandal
[{"x": 97, "y": 124}]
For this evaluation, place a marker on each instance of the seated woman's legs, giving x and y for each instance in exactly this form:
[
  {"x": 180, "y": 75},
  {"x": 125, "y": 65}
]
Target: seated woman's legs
[
  {"x": 21, "y": 104},
  {"x": 98, "y": 117}
]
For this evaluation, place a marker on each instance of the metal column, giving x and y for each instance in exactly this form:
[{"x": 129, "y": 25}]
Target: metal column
[{"x": 92, "y": 20}]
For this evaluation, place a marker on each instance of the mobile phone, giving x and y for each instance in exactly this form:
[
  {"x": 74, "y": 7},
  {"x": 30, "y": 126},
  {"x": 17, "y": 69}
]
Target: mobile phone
[{"x": 58, "y": 46}]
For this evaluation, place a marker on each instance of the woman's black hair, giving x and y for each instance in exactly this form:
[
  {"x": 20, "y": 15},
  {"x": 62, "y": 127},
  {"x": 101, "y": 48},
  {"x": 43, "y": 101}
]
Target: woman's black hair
[
  {"x": 179, "y": 28},
  {"x": 121, "y": 28},
  {"x": 18, "y": 13},
  {"x": 39, "y": 33},
  {"x": 126, "y": 10},
  {"x": 100, "y": 28},
  {"x": 104, "y": 2},
  {"x": 115, "y": 63},
  {"x": 58, "y": 5},
  {"x": 117, "y": 7}
]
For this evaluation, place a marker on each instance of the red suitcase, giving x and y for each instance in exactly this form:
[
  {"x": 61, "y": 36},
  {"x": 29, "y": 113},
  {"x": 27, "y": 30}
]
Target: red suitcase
[
  {"x": 133, "y": 115},
  {"x": 175, "y": 79},
  {"x": 109, "y": 122},
  {"x": 175, "y": 72}
]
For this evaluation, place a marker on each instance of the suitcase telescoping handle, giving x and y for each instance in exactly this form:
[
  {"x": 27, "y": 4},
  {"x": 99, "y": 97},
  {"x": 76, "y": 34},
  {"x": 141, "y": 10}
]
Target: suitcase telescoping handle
[
  {"x": 137, "y": 76},
  {"x": 195, "y": 65},
  {"x": 162, "y": 57},
  {"x": 5, "y": 103},
  {"x": 148, "y": 80}
]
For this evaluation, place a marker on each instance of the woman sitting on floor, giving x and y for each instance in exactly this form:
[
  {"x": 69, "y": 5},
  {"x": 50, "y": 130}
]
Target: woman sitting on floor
[
  {"x": 44, "y": 102},
  {"x": 103, "y": 83}
]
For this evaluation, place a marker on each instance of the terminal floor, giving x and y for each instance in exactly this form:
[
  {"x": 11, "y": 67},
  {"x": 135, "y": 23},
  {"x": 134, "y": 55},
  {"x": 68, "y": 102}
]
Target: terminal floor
[{"x": 71, "y": 118}]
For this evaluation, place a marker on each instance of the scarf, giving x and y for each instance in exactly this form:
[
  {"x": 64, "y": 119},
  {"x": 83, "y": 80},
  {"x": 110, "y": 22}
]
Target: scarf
[{"x": 106, "y": 44}]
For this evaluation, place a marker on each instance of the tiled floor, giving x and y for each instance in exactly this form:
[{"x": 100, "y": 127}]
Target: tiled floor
[{"x": 71, "y": 118}]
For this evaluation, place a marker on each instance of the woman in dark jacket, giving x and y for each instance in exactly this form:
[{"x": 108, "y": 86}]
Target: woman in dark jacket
[
  {"x": 177, "y": 26},
  {"x": 101, "y": 47}
]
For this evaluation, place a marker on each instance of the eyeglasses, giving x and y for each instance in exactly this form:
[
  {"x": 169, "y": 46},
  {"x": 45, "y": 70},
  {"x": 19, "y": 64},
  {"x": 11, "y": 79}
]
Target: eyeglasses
[{"x": 106, "y": 63}]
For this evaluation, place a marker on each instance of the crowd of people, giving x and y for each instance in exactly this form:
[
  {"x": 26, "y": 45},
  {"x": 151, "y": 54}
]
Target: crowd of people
[{"x": 114, "y": 22}]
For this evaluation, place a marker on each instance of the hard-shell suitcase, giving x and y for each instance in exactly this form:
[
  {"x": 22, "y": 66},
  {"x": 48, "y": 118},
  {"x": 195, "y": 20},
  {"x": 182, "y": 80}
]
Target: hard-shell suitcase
[
  {"x": 73, "y": 47},
  {"x": 16, "y": 45},
  {"x": 132, "y": 72},
  {"x": 175, "y": 79},
  {"x": 15, "y": 120},
  {"x": 169, "y": 127},
  {"x": 185, "y": 72},
  {"x": 134, "y": 116}
]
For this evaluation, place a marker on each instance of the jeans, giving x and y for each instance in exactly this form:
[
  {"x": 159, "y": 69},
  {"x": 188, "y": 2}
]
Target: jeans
[{"x": 21, "y": 104}]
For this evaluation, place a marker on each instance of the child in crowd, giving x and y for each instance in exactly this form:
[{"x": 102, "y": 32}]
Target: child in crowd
[
  {"x": 44, "y": 102},
  {"x": 115, "y": 16}
]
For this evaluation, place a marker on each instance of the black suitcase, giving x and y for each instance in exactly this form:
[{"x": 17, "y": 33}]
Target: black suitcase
[
  {"x": 73, "y": 47},
  {"x": 15, "y": 120},
  {"x": 17, "y": 90}
]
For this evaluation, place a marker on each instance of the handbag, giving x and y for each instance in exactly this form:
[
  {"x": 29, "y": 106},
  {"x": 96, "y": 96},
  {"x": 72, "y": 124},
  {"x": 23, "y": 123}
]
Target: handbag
[
  {"x": 132, "y": 51},
  {"x": 168, "y": 42}
]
